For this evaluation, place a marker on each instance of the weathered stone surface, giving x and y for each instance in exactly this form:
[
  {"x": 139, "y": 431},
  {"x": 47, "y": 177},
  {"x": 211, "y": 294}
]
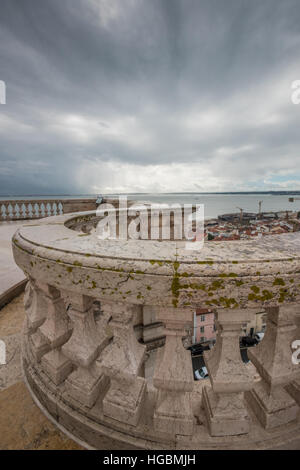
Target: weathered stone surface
[
  {"x": 224, "y": 404},
  {"x": 294, "y": 390},
  {"x": 173, "y": 376},
  {"x": 222, "y": 274},
  {"x": 294, "y": 387},
  {"x": 56, "y": 328},
  {"x": 122, "y": 362},
  {"x": 82, "y": 349},
  {"x": 153, "y": 330},
  {"x": 136, "y": 406},
  {"x": 273, "y": 359},
  {"x": 35, "y": 305},
  {"x": 56, "y": 365}
]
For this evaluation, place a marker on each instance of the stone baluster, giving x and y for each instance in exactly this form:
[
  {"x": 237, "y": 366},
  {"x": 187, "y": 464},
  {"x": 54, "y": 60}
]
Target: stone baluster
[
  {"x": 33, "y": 210},
  {"x": 54, "y": 208},
  {"x": 39, "y": 213},
  {"x": 51, "y": 208},
  {"x": 40, "y": 209},
  {"x": 269, "y": 400},
  {"x": 14, "y": 211},
  {"x": 51, "y": 335},
  {"x": 294, "y": 387},
  {"x": 173, "y": 376},
  {"x": 224, "y": 403},
  {"x": 83, "y": 348},
  {"x": 56, "y": 329},
  {"x": 26, "y": 211},
  {"x": 21, "y": 210},
  {"x": 9, "y": 211},
  {"x": 35, "y": 306},
  {"x": 122, "y": 362},
  {"x": 45, "y": 204},
  {"x": 7, "y": 214},
  {"x": 59, "y": 208}
]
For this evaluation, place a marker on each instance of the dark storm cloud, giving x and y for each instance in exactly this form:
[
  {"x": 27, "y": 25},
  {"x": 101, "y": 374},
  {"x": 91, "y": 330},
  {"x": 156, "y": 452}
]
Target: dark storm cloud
[{"x": 148, "y": 95}]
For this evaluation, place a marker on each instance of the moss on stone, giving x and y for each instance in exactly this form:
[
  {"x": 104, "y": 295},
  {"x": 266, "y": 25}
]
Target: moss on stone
[
  {"x": 216, "y": 285},
  {"x": 155, "y": 261},
  {"x": 255, "y": 289}
]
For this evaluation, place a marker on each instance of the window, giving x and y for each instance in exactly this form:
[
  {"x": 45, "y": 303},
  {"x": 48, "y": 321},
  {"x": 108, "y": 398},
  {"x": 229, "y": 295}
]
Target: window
[
  {"x": 202, "y": 317},
  {"x": 201, "y": 329},
  {"x": 202, "y": 339}
]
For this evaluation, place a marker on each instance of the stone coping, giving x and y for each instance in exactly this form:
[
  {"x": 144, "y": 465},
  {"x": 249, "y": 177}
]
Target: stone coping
[
  {"x": 264, "y": 270},
  {"x": 51, "y": 232}
]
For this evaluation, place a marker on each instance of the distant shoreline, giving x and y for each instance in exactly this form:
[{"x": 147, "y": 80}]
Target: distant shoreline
[{"x": 273, "y": 193}]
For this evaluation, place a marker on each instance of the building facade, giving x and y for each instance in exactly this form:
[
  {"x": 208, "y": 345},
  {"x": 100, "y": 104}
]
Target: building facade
[{"x": 204, "y": 325}]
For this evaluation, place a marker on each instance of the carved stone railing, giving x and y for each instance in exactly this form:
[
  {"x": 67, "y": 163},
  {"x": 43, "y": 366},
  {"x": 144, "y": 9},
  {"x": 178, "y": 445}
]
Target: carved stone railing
[
  {"x": 83, "y": 353},
  {"x": 23, "y": 209}
]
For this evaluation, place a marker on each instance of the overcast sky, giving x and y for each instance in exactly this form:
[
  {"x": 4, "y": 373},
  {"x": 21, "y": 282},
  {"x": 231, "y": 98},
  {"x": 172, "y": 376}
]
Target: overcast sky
[{"x": 149, "y": 95}]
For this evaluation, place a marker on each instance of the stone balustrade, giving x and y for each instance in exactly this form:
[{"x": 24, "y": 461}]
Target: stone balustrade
[
  {"x": 23, "y": 209},
  {"x": 89, "y": 303}
]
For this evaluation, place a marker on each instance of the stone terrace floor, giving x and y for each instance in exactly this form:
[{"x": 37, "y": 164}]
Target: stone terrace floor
[{"x": 10, "y": 273}]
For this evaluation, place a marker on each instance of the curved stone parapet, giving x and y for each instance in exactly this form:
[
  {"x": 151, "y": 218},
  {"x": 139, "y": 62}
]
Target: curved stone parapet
[{"x": 85, "y": 361}]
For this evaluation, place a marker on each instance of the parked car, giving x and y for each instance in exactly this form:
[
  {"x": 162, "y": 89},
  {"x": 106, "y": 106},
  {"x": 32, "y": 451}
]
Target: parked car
[
  {"x": 198, "y": 348},
  {"x": 259, "y": 336},
  {"x": 201, "y": 373},
  {"x": 248, "y": 341}
]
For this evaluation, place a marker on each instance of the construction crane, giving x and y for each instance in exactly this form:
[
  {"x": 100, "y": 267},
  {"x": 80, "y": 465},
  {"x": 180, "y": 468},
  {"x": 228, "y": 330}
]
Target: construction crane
[
  {"x": 292, "y": 199},
  {"x": 241, "y": 214}
]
